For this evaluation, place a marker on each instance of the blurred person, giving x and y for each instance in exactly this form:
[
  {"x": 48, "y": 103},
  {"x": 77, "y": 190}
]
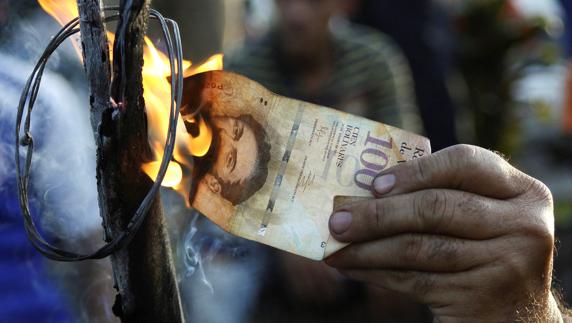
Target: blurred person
[
  {"x": 309, "y": 56},
  {"x": 420, "y": 29}
]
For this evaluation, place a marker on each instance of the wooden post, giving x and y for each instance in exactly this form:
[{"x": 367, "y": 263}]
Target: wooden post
[{"x": 143, "y": 272}]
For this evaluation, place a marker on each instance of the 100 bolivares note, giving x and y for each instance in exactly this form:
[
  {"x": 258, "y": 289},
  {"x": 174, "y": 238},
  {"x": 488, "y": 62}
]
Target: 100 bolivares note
[{"x": 275, "y": 164}]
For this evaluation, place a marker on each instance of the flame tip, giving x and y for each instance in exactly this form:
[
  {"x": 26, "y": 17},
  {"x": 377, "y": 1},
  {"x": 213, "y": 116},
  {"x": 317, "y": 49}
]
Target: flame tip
[{"x": 157, "y": 95}]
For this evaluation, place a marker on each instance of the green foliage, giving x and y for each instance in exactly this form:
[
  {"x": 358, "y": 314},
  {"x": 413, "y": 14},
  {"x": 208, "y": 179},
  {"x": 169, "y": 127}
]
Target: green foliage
[{"x": 563, "y": 214}]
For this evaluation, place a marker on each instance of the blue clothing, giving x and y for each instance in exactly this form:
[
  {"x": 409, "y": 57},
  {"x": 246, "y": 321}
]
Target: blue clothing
[{"x": 27, "y": 292}]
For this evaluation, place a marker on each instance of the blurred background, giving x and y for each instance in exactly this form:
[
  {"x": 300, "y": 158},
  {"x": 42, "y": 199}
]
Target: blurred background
[{"x": 494, "y": 73}]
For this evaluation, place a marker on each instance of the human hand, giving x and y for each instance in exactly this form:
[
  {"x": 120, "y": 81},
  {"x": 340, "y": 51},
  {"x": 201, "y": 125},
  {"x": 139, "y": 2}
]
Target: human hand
[{"x": 461, "y": 231}]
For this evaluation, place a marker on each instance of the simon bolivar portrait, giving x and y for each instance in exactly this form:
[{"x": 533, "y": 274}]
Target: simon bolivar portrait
[{"x": 236, "y": 165}]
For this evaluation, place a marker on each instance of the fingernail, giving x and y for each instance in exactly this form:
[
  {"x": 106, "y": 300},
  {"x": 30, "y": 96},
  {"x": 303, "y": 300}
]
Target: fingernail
[
  {"x": 340, "y": 222},
  {"x": 383, "y": 184}
]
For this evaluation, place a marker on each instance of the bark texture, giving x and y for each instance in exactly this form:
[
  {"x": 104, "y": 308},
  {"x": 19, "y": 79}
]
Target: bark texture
[{"x": 143, "y": 271}]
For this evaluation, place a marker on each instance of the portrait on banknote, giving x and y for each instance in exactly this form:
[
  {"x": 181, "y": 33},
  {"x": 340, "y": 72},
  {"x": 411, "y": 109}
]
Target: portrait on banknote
[{"x": 236, "y": 164}]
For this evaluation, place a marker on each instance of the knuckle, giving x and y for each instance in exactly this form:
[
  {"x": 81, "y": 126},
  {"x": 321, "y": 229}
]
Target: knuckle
[
  {"x": 424, "y": 284},
  {"x": 540, "y": 192},
  {"x": 536, "y": 243},
  {"x": 473, "y": 205},
  {"x": 540, "y": 237},
  {"x": 461, "y": 155},
  {"x": 537, "y": 224},
  {"x": 380, "y": 209},
  {"x": 432, "y": 209},
  {"x": 421, "y": 170},
  {"x": 416, "y": 284},
  {"x": 528, "y": 267},
  {"x": 515, "y": 269},
  {"x": 443, "y": 249},
  {"x": 403, "y": 276},
  {"x": 413, "y": 248},
  {"x": 477, "y": 159},
  {"x": 456, "y": 157}
]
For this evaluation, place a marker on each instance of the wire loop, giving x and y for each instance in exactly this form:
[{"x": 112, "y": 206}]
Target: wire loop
[{"x": 26, "y": 105}]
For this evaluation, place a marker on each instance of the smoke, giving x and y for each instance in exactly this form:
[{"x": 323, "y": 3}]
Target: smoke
[
  {"x": 63, "y": 169},
  {"x": 63, "y": 185},
  {"x": 192, "y": 257},
  {"x": 63, "y": 173},
  {"x": 219, "y": 275},
  {"x": 28, "y": 31}
]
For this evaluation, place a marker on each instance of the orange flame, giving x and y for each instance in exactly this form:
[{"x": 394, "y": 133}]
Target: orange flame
[
  {"x": 173, "y": 176},
  {"x": 63, "y": 12},
  {"x": 157, "y": 95}
]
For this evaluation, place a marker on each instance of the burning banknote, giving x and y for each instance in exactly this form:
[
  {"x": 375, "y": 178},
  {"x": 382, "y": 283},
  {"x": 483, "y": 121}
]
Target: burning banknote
[{"x": 274, "y": 164}]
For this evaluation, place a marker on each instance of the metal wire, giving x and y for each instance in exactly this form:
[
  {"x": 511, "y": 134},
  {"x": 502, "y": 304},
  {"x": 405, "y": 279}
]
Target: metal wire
[{"x": 26, "y": 104}]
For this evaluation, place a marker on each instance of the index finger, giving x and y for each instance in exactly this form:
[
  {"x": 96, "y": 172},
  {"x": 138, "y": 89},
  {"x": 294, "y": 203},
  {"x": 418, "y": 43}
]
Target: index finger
[
  {"x": 439, "y": 212},
  {"x": 462, "y": 167}
]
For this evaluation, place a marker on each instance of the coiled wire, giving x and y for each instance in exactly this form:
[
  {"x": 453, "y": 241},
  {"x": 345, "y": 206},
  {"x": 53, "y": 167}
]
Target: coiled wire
[{"x": 26, "y": 105}]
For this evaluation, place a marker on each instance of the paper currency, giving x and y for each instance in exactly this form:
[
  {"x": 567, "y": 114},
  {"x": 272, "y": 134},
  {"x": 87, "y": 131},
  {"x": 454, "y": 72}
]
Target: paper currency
[{"x": 276, "y": 164}]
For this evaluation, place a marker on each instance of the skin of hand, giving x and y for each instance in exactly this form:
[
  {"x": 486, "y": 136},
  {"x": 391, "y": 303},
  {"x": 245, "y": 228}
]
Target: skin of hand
[{"x": 461, "y": 231}]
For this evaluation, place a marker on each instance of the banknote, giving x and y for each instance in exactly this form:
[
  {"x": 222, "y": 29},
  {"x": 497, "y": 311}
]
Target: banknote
[{"x": 275, "y": 164}]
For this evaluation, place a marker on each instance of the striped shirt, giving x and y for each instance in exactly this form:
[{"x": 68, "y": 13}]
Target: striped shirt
[{"x": 370, "y": 77}]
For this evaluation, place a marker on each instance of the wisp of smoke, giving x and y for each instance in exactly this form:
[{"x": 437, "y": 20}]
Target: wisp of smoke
[
  {"x": 192, "y": 257},
  {"x": 220, "y": 274}
]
